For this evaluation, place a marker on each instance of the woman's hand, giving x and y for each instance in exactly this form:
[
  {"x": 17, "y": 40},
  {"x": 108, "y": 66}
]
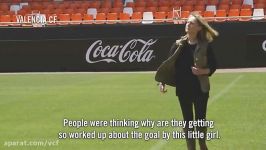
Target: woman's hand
[
  {"x": 200, "y": 71},
  {"x": 162, "y": 87}
]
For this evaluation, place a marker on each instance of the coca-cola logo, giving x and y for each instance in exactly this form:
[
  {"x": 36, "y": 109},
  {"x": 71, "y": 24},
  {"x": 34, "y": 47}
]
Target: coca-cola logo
[
  {"x": 135, "y": 50},
  {"x": 264, "y": 45}
]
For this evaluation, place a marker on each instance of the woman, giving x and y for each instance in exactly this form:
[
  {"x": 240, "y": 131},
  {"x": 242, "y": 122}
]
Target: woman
[{"x": 188, "y": 68}]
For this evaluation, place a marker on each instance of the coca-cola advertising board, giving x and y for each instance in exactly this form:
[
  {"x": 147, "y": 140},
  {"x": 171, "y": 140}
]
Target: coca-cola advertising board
[
  {"x": 121, "y": 54},
  {"x": 256, "y": 50}
]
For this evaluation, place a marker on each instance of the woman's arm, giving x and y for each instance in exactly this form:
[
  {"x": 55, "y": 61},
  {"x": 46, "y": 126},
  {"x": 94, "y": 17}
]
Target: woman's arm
[{"x": 211, "y": 65}]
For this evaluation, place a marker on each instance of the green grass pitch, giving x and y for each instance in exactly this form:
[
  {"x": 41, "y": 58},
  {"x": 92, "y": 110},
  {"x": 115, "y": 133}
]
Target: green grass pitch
[{"x": 33, "y": 106}]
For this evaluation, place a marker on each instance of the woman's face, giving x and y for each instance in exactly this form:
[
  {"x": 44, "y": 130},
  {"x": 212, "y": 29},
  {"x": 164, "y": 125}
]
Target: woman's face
[{"x": 192, "y": 25}]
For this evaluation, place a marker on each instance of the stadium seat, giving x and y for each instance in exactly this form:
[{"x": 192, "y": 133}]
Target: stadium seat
[
  {"x": 100, "y": 18},
  {"x": 136, "y": 17},
  {"x": 87, "y": 19},
  {"x": 124, "y": 18},
  {"x": 15, "y": 8},
  {"x": 128, "y": 1},
  {"x": 169, "y": 16},
  {"x": 237, "y": 2},
  {"x": 92, "y": 11},
  {"x": 187, "y": 8},
  {"x": 220, "y": 15},
  {"x": 246, "y": 6},
  {"x": 212, "y": 2},
  {"x": 111, "y": 18},
  {"x": 147, "y": 18},
  {"x": 185, "y": 14},
  {"x": 130, "y": 4},
  {"x": 5, "y": 20},
  {"x": 199, "y": 8},
  {"x": 164, "y": 9},
  {"x": 164, "y": 3},
  {"x": 128, "y": 10},
  {"x": 64, "y": 19},
  {"x": 95, "y": 4},
  {"x": 248, "y": 2},
  {"x": 209, "y": 15},
  {"x": 151, "y": 4},
  {"x": 211, "y": 8},
  {"x": 259, "y": 5},
  {"x": 224, "y": 7},
  {"x": 160, "y": 16},
  {"x": 4, "y": 6},
  {"x": 139, "y": 9},
  {"x": 245, "y": 15},
  {"x": 258, "y": 14},
  {"x": 15, "y": 21},
  {"x": 151, "y": 9},
  {"x": 106, "y": 4},
  {"x": 116, "y": 10},
  {"x": 76, "y": 18},
  {"x": 81, "y": 11},
  {"x": 235, "y": 6},
  {"x": 233, "y": 15},
  {"x": 140, "y": 4},
  {"x": 200, "y": 2}
]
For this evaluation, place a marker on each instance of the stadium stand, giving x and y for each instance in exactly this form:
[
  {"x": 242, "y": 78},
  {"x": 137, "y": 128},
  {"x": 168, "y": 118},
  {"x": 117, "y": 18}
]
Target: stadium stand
[{"x": 76, "y": 12}]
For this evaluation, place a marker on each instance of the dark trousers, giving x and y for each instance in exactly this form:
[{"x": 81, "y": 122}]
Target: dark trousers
[{"x": 199, "y": 101}]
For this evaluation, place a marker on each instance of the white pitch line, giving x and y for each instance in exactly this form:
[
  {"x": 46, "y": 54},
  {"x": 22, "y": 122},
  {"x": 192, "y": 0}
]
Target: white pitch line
[
  {"x": 161, "y": 143},
  {"x": 225, "y": 90}
]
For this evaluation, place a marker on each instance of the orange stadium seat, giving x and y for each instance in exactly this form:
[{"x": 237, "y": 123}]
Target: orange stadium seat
[
  {"x": 226, "y": 2},
  {"x": 164, "y": 9},
  {"x": 95, "y": 4},
  {"x": 76, "y": 18},
  {"x": 245, "y": 15},
  {"x": 259, "y": 5},
  {"x": 169, "y": 16},
  {"x": 151, "y": 4},
  {"x": 87, "y": 19},
  {"x": 136, "y": 17},
  {"x": 224, "y": 7},
  {"x": 189, "y": 3},
  {"x": 199, "y": 8},
  {"x": 104, "y": 10},
  {"x": 164, "y": 3},
  {"x": 245, "y": 6},
  {"x": 220, "y": 15},
  {"x": 200, "y": 2},
  {"x": 5, "y": 20},
  {"x": 100, "y": 18},
  {"x": 106, "y": 4},
  {"x": 111, "y": 18},
  {"x": 235, "y": 6},
  {"x": 151, "y": 9},
  {"x": 130, "y": 4},
  {"x": 212, "y": 2},
  {"x": 140, "y": 4},
  {"x": 160, "y": 16},
  {"x": 81, "y": 11},
  {"x": 233, "y": 15},
  {"x": 139, "y": 9},
  {"x": 237, "y": 2},
  {"x": 64, "y": 19},
  {"x": 187, "y": 8},
  {"x": 118, "y": 5},
  {"x": 124, "y": 17},
  {"x": 116, "y": 10},
  {"x": 209, "y": 15}
]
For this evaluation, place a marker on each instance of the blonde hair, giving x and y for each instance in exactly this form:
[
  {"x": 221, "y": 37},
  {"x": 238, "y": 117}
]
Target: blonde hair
[{"x": 207, "y": 33}]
